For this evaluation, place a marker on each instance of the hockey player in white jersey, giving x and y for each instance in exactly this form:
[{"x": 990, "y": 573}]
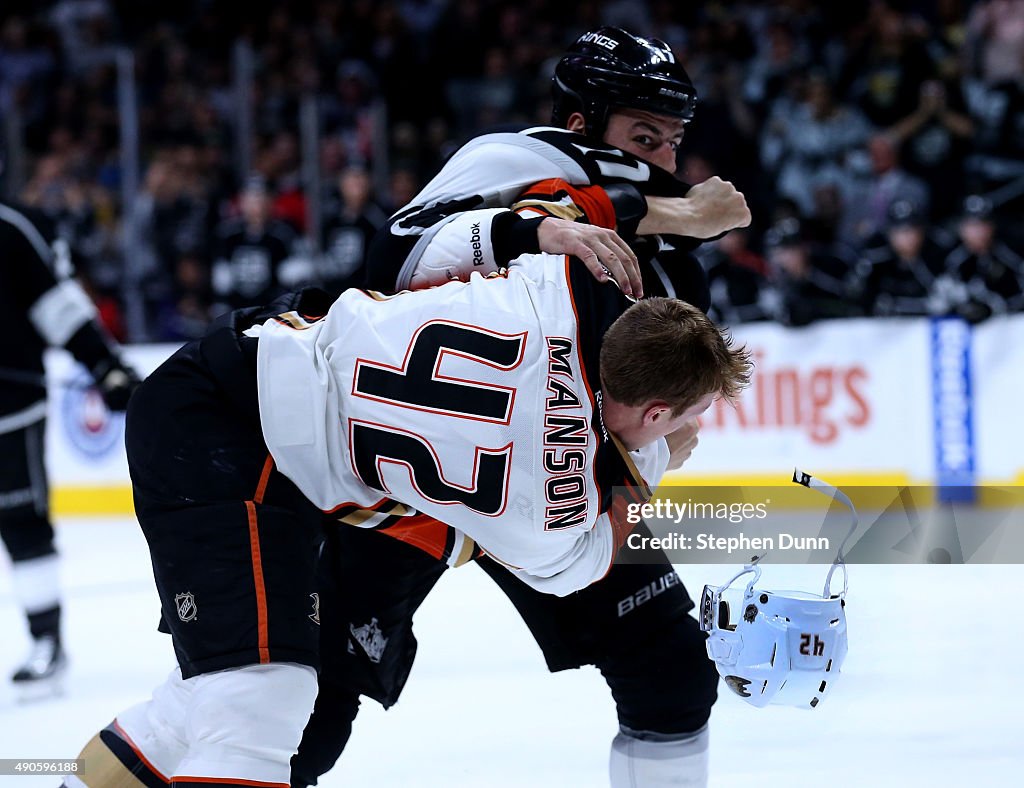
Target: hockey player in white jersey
[
  {"x": 428, "y": 394},
  {"x": 622, "y": 103},
  {"x": 510, "y": 406}
]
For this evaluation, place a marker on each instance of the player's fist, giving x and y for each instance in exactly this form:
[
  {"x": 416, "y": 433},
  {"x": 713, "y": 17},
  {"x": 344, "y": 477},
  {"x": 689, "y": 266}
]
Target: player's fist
[
  {"x": 708, "y": 209},
  {"x": 681, "y": 444},
  {"x": 718, "y": 206}
]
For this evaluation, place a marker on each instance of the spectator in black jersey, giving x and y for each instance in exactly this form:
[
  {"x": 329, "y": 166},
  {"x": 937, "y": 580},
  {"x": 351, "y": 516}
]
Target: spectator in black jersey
[
  {"x": 884, "y": 74},
  {"x": 353, "y": 220},
  {"x": 45, "y": 307},
  {"x": 255, "y": 259},
  {"x": 935, "y": 141},
  {"x": 990, "y": 272},
  {"x": 738, "y": 279},
  {"x": 901, "y": 276},
  {"x": 808, "y": 284}
]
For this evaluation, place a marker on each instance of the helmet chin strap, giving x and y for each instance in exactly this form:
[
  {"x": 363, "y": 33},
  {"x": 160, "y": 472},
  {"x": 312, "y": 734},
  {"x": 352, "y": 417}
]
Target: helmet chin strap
[{"x": 799, "y": 477}]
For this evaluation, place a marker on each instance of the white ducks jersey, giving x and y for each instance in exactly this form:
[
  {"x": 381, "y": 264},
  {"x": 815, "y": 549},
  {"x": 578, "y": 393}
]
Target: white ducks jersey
[{"x": 475, "y": 403}]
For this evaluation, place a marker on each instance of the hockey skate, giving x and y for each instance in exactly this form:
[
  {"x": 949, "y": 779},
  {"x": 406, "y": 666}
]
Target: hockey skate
[{"x": 42, "y": 674}]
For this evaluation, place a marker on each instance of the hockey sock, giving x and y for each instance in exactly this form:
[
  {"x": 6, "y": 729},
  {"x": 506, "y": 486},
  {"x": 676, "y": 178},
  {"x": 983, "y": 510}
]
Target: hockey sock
[
  {"x": 36, "y": 583},
  {"x": 45, "y": 623},
  {"x": 642, "y": 759}
]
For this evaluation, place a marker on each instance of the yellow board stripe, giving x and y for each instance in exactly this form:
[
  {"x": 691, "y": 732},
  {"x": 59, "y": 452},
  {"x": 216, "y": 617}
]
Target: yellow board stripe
[
  {"x": 92, "y": 500},
  {"x": 116, "y": 500}
]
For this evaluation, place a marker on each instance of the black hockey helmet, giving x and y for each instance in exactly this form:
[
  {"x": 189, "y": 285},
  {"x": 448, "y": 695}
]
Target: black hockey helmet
[{"x": 610, "y": 67}]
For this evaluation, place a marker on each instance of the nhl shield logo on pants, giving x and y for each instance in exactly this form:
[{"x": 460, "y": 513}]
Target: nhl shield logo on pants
[{"x": 186, "y": 604}]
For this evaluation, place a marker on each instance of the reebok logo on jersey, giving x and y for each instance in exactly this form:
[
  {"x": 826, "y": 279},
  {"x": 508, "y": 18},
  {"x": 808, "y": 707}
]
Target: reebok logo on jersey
[
  {"x": 474, "y": 242},
  {"x": 648, "y": 592},
  {"x": 599, "y": 400}
]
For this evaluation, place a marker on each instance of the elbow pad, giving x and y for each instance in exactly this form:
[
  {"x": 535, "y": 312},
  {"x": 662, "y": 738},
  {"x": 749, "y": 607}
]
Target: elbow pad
[{"x": 476, "y": 241}]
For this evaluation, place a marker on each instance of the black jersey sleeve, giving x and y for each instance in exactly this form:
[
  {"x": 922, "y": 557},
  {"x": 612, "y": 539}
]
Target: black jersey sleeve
[
  {"x": 669, "y": 268},
  {"x": 52, "y": 305}
]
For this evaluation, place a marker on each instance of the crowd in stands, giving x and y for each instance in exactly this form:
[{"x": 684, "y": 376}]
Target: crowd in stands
[{"x": 880, "y": 144}]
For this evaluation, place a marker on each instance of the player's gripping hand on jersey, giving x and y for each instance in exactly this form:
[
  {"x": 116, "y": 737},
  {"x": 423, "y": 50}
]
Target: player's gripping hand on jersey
[{"x": 601, "y": 249}]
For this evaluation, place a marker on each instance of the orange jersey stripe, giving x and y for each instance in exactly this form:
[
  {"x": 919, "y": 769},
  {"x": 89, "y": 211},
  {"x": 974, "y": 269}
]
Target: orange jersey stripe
[
  {"x": 422, "y": 531},
  {"x": 261, "y": 488},
  {"x": 261, "y": 592},
  {"x": 593, "y": 201}
]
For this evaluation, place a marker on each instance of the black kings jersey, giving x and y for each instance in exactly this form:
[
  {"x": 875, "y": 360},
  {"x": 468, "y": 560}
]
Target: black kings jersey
[{"x": 491, "y": 172}]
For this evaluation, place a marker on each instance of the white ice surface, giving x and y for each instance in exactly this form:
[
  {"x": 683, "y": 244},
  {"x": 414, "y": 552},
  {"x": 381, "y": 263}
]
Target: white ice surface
[{"x": 931, "y": 693}]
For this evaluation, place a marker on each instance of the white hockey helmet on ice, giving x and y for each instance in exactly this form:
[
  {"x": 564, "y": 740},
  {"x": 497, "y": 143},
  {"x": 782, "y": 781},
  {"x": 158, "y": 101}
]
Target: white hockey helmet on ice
[{"x": 781, "y": 647}]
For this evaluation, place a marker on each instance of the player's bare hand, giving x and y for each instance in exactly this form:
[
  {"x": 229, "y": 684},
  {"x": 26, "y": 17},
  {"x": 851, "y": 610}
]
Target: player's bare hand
[
  {"x": 681, "y": 444},
  {"x": 709, "y": 209},
  {"x": 718, "y": 206},
  {"x": 604, "y": 253}
]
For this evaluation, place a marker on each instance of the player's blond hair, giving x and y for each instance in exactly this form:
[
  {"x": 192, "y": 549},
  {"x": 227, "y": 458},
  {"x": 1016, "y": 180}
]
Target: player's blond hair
[{"x": 666, "y": 349}]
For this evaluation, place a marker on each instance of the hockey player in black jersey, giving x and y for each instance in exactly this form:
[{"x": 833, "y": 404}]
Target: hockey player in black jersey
[
  {"x": 581, "y": 193},
  {"x": 621, "y": 115},
  {"x": 45, "y": 307}
]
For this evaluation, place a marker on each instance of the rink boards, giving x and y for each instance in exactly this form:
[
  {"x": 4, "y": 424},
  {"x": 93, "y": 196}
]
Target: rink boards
[{"x": 859, "y": 402}]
